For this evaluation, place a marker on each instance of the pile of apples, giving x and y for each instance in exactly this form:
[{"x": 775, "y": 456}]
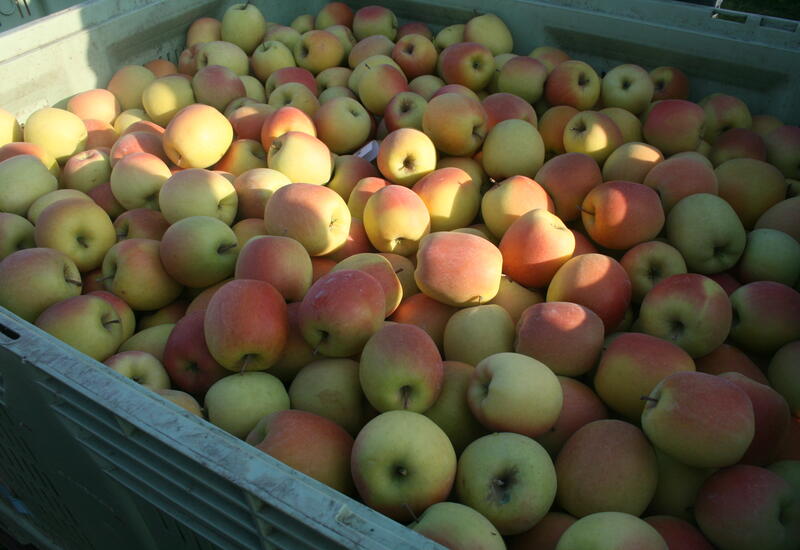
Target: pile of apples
[{"x": 497, "y": 297}]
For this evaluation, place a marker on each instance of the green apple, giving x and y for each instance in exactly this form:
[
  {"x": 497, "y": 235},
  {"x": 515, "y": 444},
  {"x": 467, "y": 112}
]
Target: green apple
[
  {"x": 243, "y": 24},
  {"x": 770, "y": 255},
  {"x": 25, "y": 179},
  {"x": 457, "y": 526},
  {"x": 509, "y": 478},
  {"x": 152, "y": 340},
  {"x": 474, "y": 333},
  {"x": 237, "y": 402},
  {"x": 198, "y": 192},
  {"x": 402, "y": 463},
  {"x": 611, "y": 531},
  {"x": 141, "y": 367},
  {"x": 199, "y": 251},
  {"x": 16, "y": 233}
]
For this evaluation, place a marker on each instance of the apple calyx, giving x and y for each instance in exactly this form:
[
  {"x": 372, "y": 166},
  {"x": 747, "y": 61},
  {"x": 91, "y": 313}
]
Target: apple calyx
[
  {"x": 649, "y": 400},
  {"x": 74, "y": 282},
  {"x": 245, "y": 360},
  {"x": 501, "y": 486},
  {"x": 405, "y": 395}
]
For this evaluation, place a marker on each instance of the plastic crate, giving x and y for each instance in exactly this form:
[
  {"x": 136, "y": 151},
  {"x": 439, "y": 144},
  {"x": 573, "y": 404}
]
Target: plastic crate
[
  {"x": 14, "y": 13},
  {"x": 97, "y": 461}
]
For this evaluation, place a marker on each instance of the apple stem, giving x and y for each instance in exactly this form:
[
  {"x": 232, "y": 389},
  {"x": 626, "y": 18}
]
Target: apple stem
[
  {"x": 104, "y": 279},
  {"x": 111, "y": 322},
  {"x": 410, "y": 511},
  {"x": 582, "y": 209},
  {"x": 648, "y": 398},
  {"x": 405, "y": 393},
  {"x": 74, "y": 282},
  {"x": 244, "y": 363},
  {"x": 225, "y": 247},
  {"x": 398, "y": 270}
]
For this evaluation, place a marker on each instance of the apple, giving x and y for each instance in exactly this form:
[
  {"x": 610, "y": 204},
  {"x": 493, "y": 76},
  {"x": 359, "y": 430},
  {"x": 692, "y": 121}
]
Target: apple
[
  {"x": 550, "y": 56},
  {"x": 289, "y": 75},
  {"x": 770, "y": 255},
  {"x": 396, "y": 218},
  {"x": 401, "y": 369},
  {"x": 669, "y": 83},
  {"x": 217, "y": 86},
  {"x": 474, "y": 333},
  {"x": 728, "y": 358},
  {"x": 628, "y": 123},
  {"x": 34, "y": 279},
  {"x": 489, "y": 30},
  {"x": 405, "y": 156},
  {"x": 405, "y": 110},
  {"x": 596, "y": 281},
  {"x": 285, "y": 154},
  {"x": 382, "y": 270},
  {"x": 551, "y": 127},
  {"x": 136, "y": 180},
  {"x": 331, "y": 388},
  {"x": 749, "y": 201},
  {"x": 378, "y": 85},
  {"x": 198, "y": 192},
  {"x": 377, "y": 44},
  {"x": 182, "y": 400},
  {"x": 782, "y": 216},
  {"x": 504, "y": 106},
  {"x": 699, "y": 419},
  {"x": 141, "y": 367},
  {"x": 340, "y": 312},
  {"x": 426, "y": 85},
  {"x": 767, "y": 316},
  {"x": 99, "y": 134},
  {"x": 611, "y": 531},
  {"x": 197, "y": 137},
  {"x": 723, "y": 112},
  {"x": 361, "y": 193},
  {"x": 574, "y": 83},
  {"x": 89, "y": 324},
  {"x": 458, "y": 269},
  {"x": 318, "y": 50},
  {"x": 621, "y": 214},
  {"x": 204, "y": 29},
  {"x": 78, "y": 228},
  {"x": 280, "y": 261},
  {"x": 52, "y": 197},
  {"x": 151, "y": 340},
  {"x": 343, "y": 124},
  {"x": 649, "y": 263},
  {"x": 132, "y": 270},
  {"x": 449, "y": 35},
  {"x": 782, "y": 143},
  {"x": 769, "y": 520},
  {"x": 677, "y": 487},
  {"x": 456, "y": 525},
  {"x": 368, "y": 64},
  {"x": 581, "y": 406},
  {"x": 97, "y": 104},
  {"x": 522, "y": 76},
  {"x": 10, "y": 130},
  {"x": 467, "y": 63},
  {"x": 347, "y": 171},
  {"x": 452, "y": 198},
  {"x": 402, "y": 463},
  {"x": 606, "y": 466},
  {"x": 128, "y": 83},
  {"x": 674, "y": 125},
  {"x": 137, "y": 142},
  {"x": 309, "y": 443},
  {"x": 738, "y": 143},
  {"x": 509, "y": 478},
  {"x": 199, "y": 251},
  {"x": 631, "y": 366},
  {"x": 86, "y": 170},
  {"x": 221, "y": 52},
  {"x": 16, "y": 233},
  {"x": 243, "y": 24},
  {"x": 631, "y": 161},
  {"x": 283, "y": 120},
  {"x": 237, "y": 402},
  {"x": 428, "y": 314},
  {"x": 161, "y": 67},
  {"x": 689, "y": 310},
  {"x": 782, "y": 373},
  {"x": 415, "y": 54},
  {"x": 303, "y": 23},
  {"x": 512, "y": 147},
  {"x": 190, "y": 365},
  {"x": 592, "y": 133},
  {"x": 371, "y": 20},
  {"x": 242, "y": 155},
  {"x": 22, "y": 148},
  {"x": 414, "y": 27},
  {"x": 25, "y": 179},
  {"x": 707, "y": 232},
  {"x": 629, "y": 87},
  {"x": 511, "y": 392},
  {"x": 165, "y": 96},
  {"x": 334, "y": 13},
  {"x": 680, "y": 176},
  {"x": 312, "y": 214},
  {"x": 333, "y": 77},
  {"x": 568, "y": 178}
]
